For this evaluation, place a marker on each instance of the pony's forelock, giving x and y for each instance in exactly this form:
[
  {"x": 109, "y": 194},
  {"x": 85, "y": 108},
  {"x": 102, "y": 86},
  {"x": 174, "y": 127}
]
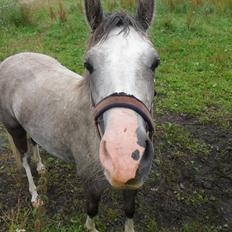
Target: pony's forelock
[{"x": 111, "y": 21}]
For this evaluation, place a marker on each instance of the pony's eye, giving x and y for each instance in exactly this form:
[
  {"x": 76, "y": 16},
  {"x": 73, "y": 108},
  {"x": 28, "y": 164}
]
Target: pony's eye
[
  {"x": 89, "y": 67},
  {"x": 155, "y": 64}
]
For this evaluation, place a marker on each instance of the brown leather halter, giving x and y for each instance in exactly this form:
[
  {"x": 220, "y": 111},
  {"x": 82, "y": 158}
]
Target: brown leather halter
[{"x": 124, "y": 101}]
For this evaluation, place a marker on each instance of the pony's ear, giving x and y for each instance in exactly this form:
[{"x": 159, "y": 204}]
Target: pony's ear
[
  {"x": 145, "y": 12},
  {"x": 94, "y": 12}
]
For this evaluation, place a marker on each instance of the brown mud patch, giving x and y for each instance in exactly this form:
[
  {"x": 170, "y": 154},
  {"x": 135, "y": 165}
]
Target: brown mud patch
[{"x": 189, "y": 189}]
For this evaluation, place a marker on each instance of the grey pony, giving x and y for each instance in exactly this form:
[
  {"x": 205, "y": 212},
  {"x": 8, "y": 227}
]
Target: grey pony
[{"x": 43, "y": 99}]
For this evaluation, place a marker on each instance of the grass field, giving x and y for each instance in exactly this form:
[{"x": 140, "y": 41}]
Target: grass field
[{"x": 190, "y": 185}]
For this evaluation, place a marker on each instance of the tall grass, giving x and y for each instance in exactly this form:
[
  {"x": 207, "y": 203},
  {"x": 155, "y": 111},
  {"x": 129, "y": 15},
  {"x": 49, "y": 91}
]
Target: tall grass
[
  {"x": 183, "y": 6},
  {"x": 80, "y": 6},
  {"x": 16, "y": 219},
  {"x": 20, "y": 12},
  {"x": 24, "y": 12},
  {"x": 111, "y": 5}
]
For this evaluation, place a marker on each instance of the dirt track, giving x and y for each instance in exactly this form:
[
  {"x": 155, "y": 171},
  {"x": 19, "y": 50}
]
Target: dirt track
[{"x": 190, "y": 183}]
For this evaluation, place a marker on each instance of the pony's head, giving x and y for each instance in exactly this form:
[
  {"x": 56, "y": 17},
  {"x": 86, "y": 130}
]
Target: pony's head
[{"x": 121, "y": 61}]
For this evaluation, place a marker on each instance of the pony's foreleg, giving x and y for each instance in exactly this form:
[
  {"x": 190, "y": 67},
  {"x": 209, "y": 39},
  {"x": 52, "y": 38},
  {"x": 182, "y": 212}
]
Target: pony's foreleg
[
  {"x": 93, "y": 199},
  {"x": 129, "y": 208},
  {"x": 40, "y": 166}
]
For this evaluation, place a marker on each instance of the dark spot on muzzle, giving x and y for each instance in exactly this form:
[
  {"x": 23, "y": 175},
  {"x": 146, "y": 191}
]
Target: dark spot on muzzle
[{"x": 135, "y": 155}]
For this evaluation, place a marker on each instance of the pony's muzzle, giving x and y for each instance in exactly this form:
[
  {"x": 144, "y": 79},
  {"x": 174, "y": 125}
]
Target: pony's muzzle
[{"x": 125, "y": 150}]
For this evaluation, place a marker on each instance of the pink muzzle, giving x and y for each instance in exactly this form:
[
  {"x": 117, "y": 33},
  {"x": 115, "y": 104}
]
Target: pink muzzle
[
  {"x": 122, "y": 147},
  {"x": 120, "y": 153}
]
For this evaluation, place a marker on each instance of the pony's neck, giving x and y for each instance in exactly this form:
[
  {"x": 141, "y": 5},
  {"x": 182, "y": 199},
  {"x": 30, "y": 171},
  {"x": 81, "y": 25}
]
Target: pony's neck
[
  {"x": 84, "y": 97},
  {"x": 82, "y": 108},
  {"x": 85, "y": 141}
]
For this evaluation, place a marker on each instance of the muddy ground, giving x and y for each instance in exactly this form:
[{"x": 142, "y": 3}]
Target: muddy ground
[{"x": 189, "y": 189}]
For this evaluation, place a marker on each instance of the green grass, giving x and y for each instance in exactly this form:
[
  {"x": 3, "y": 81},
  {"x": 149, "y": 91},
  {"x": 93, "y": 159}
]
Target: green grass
[
  {"x": 195, "y": 48},
  {"x": 194, "y": 79},
  {"x": 195, "y": 75}
]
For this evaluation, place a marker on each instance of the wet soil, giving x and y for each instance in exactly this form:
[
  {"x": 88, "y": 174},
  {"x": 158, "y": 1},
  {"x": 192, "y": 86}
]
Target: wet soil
[{"x": 189, "y": 189}]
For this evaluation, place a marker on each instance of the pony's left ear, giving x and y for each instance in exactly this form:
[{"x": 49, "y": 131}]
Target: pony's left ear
[
  {"x": 94, "y": 13},
  {"x": 145, "y": 12}
]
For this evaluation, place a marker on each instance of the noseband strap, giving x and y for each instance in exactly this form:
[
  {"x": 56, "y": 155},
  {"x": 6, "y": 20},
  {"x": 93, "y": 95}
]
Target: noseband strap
[{"x": 123, "y": 101}]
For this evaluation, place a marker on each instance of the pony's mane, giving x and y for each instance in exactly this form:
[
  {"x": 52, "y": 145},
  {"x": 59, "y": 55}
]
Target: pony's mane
[{"x": 113, "y": 20}]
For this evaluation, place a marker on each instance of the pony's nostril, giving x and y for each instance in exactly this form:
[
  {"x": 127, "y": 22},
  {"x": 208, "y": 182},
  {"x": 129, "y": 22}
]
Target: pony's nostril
[{"x": 135, "y": 155}]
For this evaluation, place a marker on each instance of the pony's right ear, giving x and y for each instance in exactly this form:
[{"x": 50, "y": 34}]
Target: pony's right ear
[
  {"x": 94, "y": 13},
  {"x": 145, "y": 12}
]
